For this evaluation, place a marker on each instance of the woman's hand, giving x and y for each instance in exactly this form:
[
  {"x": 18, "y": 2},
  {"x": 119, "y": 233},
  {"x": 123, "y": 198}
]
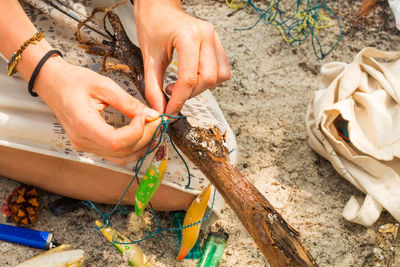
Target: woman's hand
[
  {"x": 77, "y": 96},
  {"x": 202, "y": 63}
]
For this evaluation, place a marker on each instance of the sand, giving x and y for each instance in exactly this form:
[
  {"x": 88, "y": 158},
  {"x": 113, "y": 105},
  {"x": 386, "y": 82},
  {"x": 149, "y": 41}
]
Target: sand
[{"x": 265, "y": 103}]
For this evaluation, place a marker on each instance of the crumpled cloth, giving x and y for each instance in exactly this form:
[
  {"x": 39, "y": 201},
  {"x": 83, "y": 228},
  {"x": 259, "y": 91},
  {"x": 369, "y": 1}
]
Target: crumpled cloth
[{"x": 353, "y": 121}]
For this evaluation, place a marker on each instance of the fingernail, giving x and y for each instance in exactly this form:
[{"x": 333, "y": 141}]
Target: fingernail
[
  {"x": 169, "y": 88},
  {"x": 151, "y": 114}
]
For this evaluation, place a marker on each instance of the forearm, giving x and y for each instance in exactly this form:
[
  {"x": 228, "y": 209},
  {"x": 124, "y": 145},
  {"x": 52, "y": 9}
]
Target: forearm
[
  {"x": 146, "y": 5},
  {"x": 15, "y": 28}
]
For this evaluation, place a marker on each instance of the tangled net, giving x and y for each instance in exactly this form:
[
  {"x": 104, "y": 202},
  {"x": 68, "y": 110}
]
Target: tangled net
[
  {"x": 162, "y": 130},
  {"x": 297, "y": 21}
]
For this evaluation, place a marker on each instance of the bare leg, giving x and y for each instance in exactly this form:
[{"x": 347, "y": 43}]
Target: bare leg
[{"x": 81, "y": 181}]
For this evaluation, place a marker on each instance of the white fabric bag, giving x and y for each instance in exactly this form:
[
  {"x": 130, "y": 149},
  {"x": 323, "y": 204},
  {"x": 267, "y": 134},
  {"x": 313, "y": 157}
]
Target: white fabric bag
[{"x": 366, "y": 95}]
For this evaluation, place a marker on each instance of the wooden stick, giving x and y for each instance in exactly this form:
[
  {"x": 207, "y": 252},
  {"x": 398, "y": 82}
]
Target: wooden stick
[{"x": 276, "y": 239}]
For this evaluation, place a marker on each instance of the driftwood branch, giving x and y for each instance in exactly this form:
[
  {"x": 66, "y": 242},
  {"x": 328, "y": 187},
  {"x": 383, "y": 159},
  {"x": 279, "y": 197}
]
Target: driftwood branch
[{"x": 275, "y": 238}]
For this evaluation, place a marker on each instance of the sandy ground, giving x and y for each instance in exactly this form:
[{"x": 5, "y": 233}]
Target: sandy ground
[{"x": 265, "y": 103}]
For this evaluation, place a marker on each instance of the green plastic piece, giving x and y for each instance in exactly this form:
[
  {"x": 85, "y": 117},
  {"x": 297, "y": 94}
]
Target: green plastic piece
[
  {"x": 213, "y": 249},
  {"x": 152, "y": 179},
  {"x": 148, "y": 186}
]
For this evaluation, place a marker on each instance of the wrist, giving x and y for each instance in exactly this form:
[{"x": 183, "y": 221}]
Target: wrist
[
  {"x": 47, "y": 77},
  {"x": 30, "y": 57}
]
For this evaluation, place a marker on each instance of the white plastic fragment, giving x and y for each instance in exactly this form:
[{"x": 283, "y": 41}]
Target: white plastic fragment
[
  {"x": 395, "y": 6},
  {"x": 57, "y": 257}
]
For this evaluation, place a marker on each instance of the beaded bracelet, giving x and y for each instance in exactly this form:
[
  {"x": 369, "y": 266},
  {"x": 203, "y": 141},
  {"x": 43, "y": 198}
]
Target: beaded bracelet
[{"x": 12, "y": 64}]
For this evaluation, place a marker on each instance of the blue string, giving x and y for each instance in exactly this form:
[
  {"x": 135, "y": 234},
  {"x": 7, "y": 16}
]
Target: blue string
[
  {"x": 162, "y": 128},
  {"x": 290, "y": 24}
]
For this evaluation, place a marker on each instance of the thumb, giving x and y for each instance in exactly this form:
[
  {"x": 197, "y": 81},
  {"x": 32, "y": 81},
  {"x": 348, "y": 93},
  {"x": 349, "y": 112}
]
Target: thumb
[
  {"x": 154, "y": 72},
  {"x": 113, "y": 95}
]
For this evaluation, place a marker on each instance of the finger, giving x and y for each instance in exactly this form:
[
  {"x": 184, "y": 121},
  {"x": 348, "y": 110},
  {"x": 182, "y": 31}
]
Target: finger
[
  {"x": 98, "y": 149},
  {"x": 84, "y": 144},
  {"x": 110, "y": 93},
  {"x": 153, "y": 73},
  {"x": 101, "y": 106},
  {"x": 111, "y": 142},
  {"x": 143, "y": 143},
  {"x": 91, "y": 147},
  {"x": 146, "y": 137},
  {"x": 188, "y": 58},
  {"x": 123, "y": 160},
  {"x": 95, "y": 128},
  {"x": 169, "y": 88},
  {"x": 149, "y": 130},
  {"x": 224, "y": 72},
  {"x": 208, "y": 67}
]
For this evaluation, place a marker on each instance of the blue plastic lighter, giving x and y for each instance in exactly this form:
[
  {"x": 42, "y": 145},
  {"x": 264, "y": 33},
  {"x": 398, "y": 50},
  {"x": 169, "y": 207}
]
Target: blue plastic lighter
[{"x": 27, "y": 237}]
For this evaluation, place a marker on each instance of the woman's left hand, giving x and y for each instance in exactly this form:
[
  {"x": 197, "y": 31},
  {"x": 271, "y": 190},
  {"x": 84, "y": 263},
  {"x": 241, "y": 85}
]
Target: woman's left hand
[{"x": 202, "y": 63}]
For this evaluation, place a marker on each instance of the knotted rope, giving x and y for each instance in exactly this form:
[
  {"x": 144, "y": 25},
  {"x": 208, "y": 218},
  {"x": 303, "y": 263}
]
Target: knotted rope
[{"x": 162, "y": 129}]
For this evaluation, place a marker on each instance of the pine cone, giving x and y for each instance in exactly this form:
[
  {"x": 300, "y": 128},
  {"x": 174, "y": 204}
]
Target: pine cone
[{"x": 23, "y": 205}]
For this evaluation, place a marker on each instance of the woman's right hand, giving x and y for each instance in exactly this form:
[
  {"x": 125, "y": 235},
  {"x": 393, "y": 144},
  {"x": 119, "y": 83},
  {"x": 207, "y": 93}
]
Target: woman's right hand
[{"x": 77, "y": 95}]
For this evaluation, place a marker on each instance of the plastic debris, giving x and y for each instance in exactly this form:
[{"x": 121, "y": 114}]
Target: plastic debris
[
  {"x": 132, "y": 252},
  {"x": 191, "y": 229},
  {"x": 195, "y": 252},
  {"x": 152, "y": 178},
  {"x": 213, "y": 249},
  {"x": 385, "y": 245},
  {"x": 64, "y": 205},
  {"x": 60, "y": 256},
  {"x": 395, "y": 6}
]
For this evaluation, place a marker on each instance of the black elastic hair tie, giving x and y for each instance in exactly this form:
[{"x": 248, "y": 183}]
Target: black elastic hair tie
[{"x": 37, "y": 70}]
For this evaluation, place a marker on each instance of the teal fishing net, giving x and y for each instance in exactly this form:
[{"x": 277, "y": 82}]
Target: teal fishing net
[
  {"x": 297, "y": 21},
  {"x": 162, "y": 130}
]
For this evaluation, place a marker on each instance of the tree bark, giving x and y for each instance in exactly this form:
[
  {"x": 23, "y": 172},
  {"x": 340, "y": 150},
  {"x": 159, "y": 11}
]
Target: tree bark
[{"x": 275, "y": 238}]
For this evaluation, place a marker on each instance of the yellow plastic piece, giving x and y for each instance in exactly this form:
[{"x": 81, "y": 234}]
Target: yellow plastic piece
[
  {"x": 193, "y": 214},
  {"x": 132, "y": 252}
]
